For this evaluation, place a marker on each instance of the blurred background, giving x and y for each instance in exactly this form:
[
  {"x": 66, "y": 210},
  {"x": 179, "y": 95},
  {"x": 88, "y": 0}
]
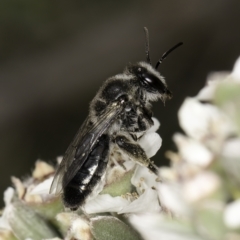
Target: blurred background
[{"x": 54, "y": 55}]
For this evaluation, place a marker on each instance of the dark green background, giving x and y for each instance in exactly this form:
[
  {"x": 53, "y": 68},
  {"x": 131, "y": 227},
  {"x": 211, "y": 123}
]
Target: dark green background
[{"x": 54, "y": 55}]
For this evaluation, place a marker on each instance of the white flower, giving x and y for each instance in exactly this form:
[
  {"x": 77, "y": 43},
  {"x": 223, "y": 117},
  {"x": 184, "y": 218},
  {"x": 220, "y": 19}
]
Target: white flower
[
  {"x": 236, "y": 71},
  {"x": 36, "y": 188},
  {"x": 151, "y": 143},
  {"x": 201, "y": 186},
  {"x": 43, "y": 187},
  {"x": 105, "y": 203},
  {"x": 231, "y": 158},
  {"x": 147, "y": 202},
  {"x": 156, "y": 226},
  {"x": 80, "y": 230},
  {"x": 78, "y": 227},
  {"x": 172, "y": 198},
  {"x": 214, "y": 79},
  {"x": 231, "y": 148},
  {"x": 41, "y": 170},
  {"x": 53, "y": 238},
  {"x": 207, "y": 92},
  {"x": 7, "y": 197},
  {"x": 144, "y": 181},
  {"x": 231, "y": 214},
  {"x": 193, "y": 151},
  {"x": 204, "y": 122},
  {"x": 168, "y": 174},
  {"x": 155, "y": 127}
]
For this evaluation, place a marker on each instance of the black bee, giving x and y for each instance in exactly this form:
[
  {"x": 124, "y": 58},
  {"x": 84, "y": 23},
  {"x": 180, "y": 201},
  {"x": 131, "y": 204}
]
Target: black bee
[{"x": 119, "y": 113}]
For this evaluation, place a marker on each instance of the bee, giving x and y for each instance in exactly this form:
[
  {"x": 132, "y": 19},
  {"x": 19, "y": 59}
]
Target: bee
[{"x": 119, "y": 113}]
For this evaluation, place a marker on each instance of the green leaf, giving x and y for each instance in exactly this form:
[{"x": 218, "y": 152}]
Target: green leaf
[
  {"x": 111, "y": 228},
  {"x": 48, "y": 209},
  {"x": 26, "y": 223},
  {"x": 119, "y": 187}
]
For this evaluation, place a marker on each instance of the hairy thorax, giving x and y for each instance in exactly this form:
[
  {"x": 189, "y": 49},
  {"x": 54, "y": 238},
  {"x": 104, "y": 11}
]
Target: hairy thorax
[{"x": 137, "y": 115}]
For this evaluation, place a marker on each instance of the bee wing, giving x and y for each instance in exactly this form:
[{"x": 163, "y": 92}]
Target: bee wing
[
  {"x": 81, "y": 146},
  {"x": 56, "y": 186}
]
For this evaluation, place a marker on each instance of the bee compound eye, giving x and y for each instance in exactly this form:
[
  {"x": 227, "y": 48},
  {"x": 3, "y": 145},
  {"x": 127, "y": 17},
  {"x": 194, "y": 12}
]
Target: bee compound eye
[{"x": 147, "y": 81}]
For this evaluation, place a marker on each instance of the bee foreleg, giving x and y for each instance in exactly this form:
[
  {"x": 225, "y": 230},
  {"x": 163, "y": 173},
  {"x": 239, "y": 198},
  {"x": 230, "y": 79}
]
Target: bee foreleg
[{"x": 135, "y": 152}]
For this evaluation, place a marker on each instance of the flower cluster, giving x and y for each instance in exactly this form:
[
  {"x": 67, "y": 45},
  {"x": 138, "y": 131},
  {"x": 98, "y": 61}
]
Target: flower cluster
[
  {"x": 200, "y": 191},
  {"x": 197, "y": 197},
  {"x": 128, "y": 189}
]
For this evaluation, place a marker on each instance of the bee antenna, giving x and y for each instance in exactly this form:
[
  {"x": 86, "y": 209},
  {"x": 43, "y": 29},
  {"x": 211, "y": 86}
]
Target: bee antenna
[
  {"x": 166, "y": 54},
  {"x": 147, "y": 49}
]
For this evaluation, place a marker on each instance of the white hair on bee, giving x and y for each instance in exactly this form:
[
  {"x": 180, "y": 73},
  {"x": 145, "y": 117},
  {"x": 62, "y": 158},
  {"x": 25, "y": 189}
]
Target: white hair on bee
[
  {"x": 153, "y": 71},
  {"x": 123, "y": 76}
]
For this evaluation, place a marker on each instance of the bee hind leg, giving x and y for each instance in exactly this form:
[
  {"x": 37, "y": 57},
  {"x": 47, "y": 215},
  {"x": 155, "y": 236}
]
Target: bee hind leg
[{"x": 136, "y": 153}]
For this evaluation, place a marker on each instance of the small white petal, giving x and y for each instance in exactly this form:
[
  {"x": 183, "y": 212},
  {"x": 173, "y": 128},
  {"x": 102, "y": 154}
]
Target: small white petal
[
  {"x": 143, "y": 179},
  {"x": 8, "y": 195},
  {"x": 171, "y": 197},
  {"x": 105, "y": 203},
  {"x": 56, "y": 238},
  {"x": 66, "y": 218},
  {"x": 80, "y": 230},
  {"x": 236, "y": 70},
  {"x": 203, "y": 121},
  {"x": 192, "y": 118},
  {"x": 155, "y": 127},
  {"x": 147, "y": 202},
  {"x": 231, "y": 148},
  {"x": 156, "y": 226},
  {"x": 129, "y": 165},
  {"x": 59, "y": 159},
  {"x": 43, "y": 187},
  {"x": 146, "y": 225},
  {"x": 231, "y": 214},
  {"x": 208, "y": 91},
  {"x": 3, "y": 221},
  {"x": 200, "y": 186},
  {"x": 168, "y": 174},
  {"x": 231, "y": 158},
  {"x": 151, "y": 143},
  {"x": 42, "y": 169},
  {"x": 192, "y": 151}
]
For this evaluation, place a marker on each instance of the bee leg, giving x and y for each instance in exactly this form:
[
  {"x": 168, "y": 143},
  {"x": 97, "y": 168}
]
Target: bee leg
[{"x": 135, "y": 152}]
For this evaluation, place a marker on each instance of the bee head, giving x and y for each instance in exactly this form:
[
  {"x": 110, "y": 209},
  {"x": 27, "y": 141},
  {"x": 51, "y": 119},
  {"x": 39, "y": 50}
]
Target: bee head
[
  {"x": 150, "y": 81},
  {"x": 148, "y": 78}
]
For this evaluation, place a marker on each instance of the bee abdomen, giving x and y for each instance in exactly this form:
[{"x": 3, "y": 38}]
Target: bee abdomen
[{"x": 82, "y": 184}]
